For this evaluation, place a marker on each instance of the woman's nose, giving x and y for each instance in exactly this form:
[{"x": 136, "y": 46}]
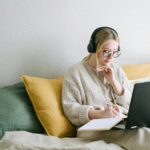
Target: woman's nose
[{"x": 110, "y": 56}]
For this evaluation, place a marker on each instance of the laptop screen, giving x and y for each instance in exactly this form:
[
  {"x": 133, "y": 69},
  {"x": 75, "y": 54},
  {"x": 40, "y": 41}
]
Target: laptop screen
[{"x": 139, "y": 111}]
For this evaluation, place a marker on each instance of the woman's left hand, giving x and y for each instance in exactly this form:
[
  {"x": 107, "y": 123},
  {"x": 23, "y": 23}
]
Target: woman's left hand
[{"x": 108, "y": 73}]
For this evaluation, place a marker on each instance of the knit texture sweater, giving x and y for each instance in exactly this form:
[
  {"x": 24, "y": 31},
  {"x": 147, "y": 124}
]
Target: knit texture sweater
[{"x": 84, "y": 88}]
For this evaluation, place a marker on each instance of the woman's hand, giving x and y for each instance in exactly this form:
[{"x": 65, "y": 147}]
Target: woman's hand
[
  {"x": 108, "y": 73},
  {"x": 107, "y": 112}
]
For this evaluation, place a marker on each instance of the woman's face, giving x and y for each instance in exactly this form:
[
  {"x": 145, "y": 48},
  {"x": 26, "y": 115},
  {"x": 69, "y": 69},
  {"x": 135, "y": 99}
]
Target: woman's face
[{"x": 106, "y": 51}]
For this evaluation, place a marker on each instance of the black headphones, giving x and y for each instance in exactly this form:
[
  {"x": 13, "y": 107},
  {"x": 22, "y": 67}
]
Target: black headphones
[{"x": 92, "y": 46}]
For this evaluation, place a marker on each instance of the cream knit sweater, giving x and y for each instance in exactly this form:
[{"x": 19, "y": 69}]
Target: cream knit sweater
[{"x": 83, "y": 89}]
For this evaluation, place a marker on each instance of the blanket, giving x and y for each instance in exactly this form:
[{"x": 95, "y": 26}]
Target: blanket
[{"x": 22, "y": 140}]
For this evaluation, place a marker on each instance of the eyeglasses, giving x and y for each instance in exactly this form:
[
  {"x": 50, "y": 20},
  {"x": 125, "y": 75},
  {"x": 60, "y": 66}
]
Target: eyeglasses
[{"x": 114, "y": 54}]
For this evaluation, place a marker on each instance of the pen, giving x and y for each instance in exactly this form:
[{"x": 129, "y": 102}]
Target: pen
[
  {"x": 108, "y": 102},
  {"x": 114, "y": 105}
]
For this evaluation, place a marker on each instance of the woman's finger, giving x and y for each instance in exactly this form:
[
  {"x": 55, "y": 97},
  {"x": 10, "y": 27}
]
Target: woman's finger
[{"x": 116, "y": 107}]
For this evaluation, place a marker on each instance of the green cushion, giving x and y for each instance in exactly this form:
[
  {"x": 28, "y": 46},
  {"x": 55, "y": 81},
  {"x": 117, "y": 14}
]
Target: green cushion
[{"x": 16, "y": 111}]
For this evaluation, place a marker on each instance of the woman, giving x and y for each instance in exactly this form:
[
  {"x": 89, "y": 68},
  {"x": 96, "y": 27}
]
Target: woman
[{"x": 98, "y": 88}]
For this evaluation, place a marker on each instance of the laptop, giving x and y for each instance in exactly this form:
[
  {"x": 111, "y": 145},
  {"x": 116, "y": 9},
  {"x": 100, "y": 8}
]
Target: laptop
[{"x": 139, "y": 110}]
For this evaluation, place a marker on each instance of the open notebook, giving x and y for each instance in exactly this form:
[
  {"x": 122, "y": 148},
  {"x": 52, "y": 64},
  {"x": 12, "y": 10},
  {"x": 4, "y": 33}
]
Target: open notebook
[
  {"x": 138, "y": 115},
  {"x": 102, "y": 124}
]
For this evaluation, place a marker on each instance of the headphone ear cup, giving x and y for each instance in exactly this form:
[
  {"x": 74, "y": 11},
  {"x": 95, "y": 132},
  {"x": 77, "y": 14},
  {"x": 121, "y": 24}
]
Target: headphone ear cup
[{"x": 90, "y": 48}]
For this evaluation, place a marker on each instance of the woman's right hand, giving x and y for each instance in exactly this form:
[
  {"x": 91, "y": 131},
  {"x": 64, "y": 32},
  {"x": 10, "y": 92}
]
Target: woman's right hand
[{"x": 107, "y": 112}]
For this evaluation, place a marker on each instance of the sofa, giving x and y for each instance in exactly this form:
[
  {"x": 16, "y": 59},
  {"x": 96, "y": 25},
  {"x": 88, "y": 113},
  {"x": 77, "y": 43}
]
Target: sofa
[{"x": 31, "y": 116}]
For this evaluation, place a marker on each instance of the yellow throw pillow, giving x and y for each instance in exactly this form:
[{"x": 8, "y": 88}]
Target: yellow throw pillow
[
  {"x": 45, "y": 95},
  {"x": 137, "y": 71}
]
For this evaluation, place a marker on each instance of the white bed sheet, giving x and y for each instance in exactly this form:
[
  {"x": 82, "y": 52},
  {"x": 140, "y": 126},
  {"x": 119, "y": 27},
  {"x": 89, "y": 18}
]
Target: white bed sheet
[{"x": 22, "y": 140}]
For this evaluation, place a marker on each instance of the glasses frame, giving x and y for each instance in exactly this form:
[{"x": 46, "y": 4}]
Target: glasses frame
[{"x": 108, "y": 53}]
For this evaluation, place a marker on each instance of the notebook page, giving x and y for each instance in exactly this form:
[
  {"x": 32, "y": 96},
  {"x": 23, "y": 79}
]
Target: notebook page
[{"x": 100, "y": 124}]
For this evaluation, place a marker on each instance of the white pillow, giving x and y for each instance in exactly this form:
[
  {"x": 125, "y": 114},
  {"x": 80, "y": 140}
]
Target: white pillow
[
  {"x": 146, "y": 79},
  {"x": 141, "y": 80}
]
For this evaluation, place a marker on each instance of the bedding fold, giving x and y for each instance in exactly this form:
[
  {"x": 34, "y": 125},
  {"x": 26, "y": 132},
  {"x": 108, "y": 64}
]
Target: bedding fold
[{"x": 23, "y": 140}]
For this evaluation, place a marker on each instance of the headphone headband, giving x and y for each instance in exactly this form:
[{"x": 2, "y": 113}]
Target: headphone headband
[{"x": 91, "y": 46}]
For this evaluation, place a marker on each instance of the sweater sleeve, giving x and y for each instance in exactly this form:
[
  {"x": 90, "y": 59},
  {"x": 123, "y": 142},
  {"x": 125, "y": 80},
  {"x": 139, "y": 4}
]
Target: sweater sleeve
[
  {"x": 72, "y": 105},
  {"x": 125, "y": 99}
]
